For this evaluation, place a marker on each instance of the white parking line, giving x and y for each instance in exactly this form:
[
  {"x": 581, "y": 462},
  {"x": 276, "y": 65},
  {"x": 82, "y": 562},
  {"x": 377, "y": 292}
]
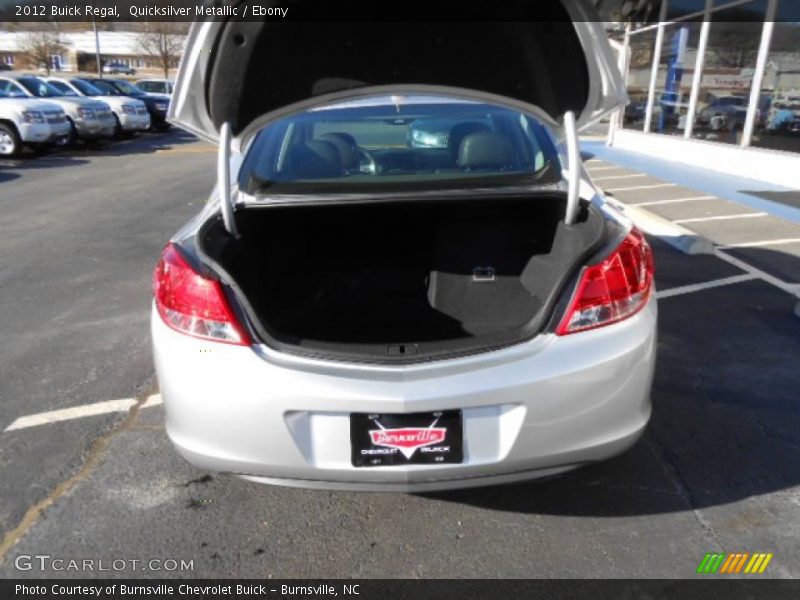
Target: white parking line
[
  {"x": 78, "y": 412},
  {"x": 643, "y": 187},
  {"x": 722, "y": 218},
  {"x": 675, "y": 200},
  {"x": 791, "y": 288},
  {"x": 779, "y": 242},
  {"x": 607, "y": 177},
  {"x": 596, "y": 169},
  {"x": 698, "y": 287}
]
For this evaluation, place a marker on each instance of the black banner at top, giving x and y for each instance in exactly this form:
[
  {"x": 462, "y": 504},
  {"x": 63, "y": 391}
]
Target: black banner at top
[{"x": 287, "y": 10}]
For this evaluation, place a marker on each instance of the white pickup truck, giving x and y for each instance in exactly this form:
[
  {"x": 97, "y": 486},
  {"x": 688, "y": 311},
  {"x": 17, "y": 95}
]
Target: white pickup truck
[{"x": 29, "y": 122}]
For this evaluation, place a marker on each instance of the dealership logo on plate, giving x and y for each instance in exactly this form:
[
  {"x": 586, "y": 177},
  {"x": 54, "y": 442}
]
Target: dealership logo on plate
[{"x": 408, "y": 439}]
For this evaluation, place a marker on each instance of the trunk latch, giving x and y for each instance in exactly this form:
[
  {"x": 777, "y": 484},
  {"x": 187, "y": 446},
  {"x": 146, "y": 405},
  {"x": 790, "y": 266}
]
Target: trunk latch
[
  {"x": 401, "y": 349},
  {"x": 483, "y": 274}
]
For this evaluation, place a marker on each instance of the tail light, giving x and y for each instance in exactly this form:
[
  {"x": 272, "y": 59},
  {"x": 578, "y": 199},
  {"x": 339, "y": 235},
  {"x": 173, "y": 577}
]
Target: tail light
[
  {"x": 613, "y": 290},
  {"x": 193, "y": 304}
]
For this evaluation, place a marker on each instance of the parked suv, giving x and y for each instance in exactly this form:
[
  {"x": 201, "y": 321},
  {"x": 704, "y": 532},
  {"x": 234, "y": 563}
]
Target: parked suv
[
  {"x": 130, "y": 115},
  {"x": 156, "y": 86},
  {"x": 89, "y": 119},
  {"x": 114, "y": 68},
  {"x": 157, "y": 105},
  {"x": 353, "y": 311},
  {"x": 26, "y": 121}
]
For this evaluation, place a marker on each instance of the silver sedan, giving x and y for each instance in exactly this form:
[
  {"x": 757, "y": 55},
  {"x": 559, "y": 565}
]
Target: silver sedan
[{"x": 402, "y": 285}]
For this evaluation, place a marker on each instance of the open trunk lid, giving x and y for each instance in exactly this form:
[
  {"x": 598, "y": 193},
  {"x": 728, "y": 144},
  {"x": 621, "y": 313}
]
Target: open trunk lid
[{"x": 246, "y": 73}]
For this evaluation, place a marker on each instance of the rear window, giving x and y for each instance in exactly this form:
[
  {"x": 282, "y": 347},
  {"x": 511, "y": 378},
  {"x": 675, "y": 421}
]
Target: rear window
[{"x": 384, "y": 144}]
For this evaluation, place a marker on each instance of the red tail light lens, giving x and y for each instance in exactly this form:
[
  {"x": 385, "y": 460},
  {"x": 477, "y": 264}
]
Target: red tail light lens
[
  {"x": 192, "y": 304},
  {"x": 613, "y": 290}
]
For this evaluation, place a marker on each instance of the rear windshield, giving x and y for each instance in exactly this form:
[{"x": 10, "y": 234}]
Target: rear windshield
[{"x": 374, "y": 146}]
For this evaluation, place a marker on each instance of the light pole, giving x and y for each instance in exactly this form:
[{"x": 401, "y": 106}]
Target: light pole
[{"x": 97, "y": 47}]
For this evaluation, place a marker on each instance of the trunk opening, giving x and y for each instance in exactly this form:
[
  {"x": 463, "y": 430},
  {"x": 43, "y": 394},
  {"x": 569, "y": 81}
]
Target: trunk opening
[{"x": 402, "y": 281}]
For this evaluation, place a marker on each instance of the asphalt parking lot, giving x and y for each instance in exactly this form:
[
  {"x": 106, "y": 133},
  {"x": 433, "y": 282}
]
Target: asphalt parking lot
[{"x": 718, "y": 469}]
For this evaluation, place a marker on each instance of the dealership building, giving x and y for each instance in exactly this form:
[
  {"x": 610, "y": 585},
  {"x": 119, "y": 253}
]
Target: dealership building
[
  {"x": 77, "y": 52},
  {"x": 715, "y": 84}
]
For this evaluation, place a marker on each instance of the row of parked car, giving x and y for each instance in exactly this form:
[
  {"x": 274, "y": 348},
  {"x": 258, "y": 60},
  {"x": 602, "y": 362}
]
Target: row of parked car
[
  {"x": 776, "y": 113},
  {"x": 40, "y": 112}
]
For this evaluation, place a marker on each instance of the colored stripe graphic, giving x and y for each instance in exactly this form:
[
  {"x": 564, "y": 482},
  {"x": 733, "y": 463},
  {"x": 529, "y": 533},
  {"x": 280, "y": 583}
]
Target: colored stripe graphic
[
  {"x": 741, "y": 562},
  {"x": 734, "y": 562},
  {"x": 703, "y": 563},
  {"x": 710, "y": 563},
  {"x": 722, "y": 563},
  {"x": 732, "y": 558}
]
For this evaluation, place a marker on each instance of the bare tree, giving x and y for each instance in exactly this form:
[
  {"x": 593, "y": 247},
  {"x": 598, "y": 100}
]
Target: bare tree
[
  {"x": 163, "y": 42},
  {"x": 733, "y": 45},
  {"x": 40, "y": 46}
]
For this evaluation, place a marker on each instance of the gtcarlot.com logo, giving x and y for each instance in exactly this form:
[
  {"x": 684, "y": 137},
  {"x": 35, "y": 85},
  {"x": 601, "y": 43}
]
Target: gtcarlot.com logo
[
  {"x": 46, "y": 562},
  {"x": 737, "y": 562}
]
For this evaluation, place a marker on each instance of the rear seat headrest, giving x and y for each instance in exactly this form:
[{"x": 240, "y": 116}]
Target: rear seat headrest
[
  {"x": 315, "y": 159},
  {"x": 485, "y": 151},
  {"x": 459, "y": 132},
  {"x": 346, "y": 145}
]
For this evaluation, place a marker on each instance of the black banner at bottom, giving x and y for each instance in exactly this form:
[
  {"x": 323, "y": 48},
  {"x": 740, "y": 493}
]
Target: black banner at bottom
[{"x": 395, "y": 589}]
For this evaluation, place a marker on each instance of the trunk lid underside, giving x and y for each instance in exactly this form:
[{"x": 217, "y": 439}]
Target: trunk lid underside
[{"x": 245, "y": 73}]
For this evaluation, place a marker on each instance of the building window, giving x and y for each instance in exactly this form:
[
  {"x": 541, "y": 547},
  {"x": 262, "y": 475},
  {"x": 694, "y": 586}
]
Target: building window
[
  {"x": 729, "y": 68},
  {"x": 675, "y": 77},
  {"x": 777, "y": 125},
  {"x": 642, "y": 46}
]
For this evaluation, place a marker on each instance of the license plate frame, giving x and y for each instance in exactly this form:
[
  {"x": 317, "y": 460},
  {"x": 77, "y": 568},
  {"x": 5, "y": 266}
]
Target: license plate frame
[{"x": 403, "y": 439}]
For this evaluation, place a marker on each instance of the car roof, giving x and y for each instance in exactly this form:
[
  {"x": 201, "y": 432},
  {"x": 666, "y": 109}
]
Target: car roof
[{"x": 18, "y": 75}]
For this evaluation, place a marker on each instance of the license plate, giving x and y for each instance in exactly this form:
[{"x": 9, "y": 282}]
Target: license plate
[{"x": 379, "y": 440}]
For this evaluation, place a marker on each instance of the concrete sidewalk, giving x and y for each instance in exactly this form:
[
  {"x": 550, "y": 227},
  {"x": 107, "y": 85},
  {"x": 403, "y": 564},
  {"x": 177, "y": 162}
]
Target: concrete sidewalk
[{"x": 752, "y": 236}]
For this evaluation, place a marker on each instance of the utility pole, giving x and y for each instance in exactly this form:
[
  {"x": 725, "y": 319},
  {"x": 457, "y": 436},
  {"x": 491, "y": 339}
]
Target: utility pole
[{"x": 97, "y": 47}]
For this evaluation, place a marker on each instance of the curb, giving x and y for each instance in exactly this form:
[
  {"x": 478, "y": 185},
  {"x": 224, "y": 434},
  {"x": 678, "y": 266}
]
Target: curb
[{"x": 677, "y": 236}]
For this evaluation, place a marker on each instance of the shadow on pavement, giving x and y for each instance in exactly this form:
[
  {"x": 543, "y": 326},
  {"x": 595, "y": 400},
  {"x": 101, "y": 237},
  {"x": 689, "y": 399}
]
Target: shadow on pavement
[
  {"x": 726, "y": 411},
  {"x": 791, "y": 198},
  {"x": 34, "y": 161},
  {"x": 7, "y": 176},
  {"x": 140, "y": 143}
]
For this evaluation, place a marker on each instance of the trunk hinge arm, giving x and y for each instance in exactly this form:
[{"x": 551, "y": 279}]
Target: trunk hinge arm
[
  {"x": 224, "y": 179},
  {"x": 573, "y": 170}
]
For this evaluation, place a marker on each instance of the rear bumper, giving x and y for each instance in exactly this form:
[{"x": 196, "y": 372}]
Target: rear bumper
[{"x": 531, "y": 410}]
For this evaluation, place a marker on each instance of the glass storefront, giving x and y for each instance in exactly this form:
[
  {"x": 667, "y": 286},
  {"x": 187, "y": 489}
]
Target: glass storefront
[
  {"x": 674, "y": 77},
  {"x": 642, "y": 47},
  {"x": 778, "y": 123},
  {"x": 709, "y": 61}
]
